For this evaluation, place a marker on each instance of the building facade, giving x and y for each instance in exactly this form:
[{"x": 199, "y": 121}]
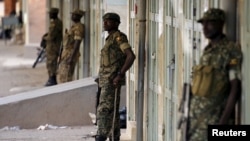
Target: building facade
[{"x": 173, "y": 44}]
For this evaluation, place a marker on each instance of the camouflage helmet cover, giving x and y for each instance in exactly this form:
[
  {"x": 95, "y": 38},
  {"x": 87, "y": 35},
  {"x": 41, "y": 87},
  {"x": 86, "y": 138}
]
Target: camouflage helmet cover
[
  {"x": 54, "y": 10},
  {"x": 112, "y": 16},
  {"x": 213, "y": 14},
  {"x": 78, "y": 12}
]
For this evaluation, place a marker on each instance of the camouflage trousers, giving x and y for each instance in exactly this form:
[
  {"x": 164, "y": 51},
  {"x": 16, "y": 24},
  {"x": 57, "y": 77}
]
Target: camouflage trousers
[
  {"x": 51, "y": 64},
  {"x": 105, "y": 112},
  {"x": 203, "y": 112},
  {"x": 66, "y": 72}
]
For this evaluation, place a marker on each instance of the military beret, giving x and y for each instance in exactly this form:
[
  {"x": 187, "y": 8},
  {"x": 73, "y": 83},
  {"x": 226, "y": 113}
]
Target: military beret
[
  {"x": 54, "y": 10},
  {"x": 112, "y": 16},
  {"x": 213, "y": 14},
  {"x": 78, "y": 12}
]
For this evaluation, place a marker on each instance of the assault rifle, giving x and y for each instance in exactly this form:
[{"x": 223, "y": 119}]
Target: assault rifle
[
  {"x": 184, "y": 110},
  {"x": 60, "y": 54},
  {"x": 98, "y": 93},
  {"x": 41, "y": 54}
]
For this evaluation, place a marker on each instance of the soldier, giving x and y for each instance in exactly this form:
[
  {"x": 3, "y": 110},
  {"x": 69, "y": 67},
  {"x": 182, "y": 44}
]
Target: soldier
[
  {"x": 53, "y": 39},
  {"x": 216, "y": 80},
  {"x": 71, "y": 44},
  {"x": 116, "y": 58}
]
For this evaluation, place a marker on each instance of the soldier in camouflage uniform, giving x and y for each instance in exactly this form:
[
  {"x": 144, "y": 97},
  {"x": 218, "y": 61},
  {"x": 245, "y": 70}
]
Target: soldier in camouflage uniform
[
  {"x": 215, "y": 103},
  {"x": 116, "y": 58},
  {"x": 53, "y": 39},
  {"x": 71, "y": 44}
]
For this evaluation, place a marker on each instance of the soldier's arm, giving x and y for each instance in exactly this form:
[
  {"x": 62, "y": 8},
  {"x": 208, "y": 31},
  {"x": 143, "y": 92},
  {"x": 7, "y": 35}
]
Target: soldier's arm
[
  {"x": 232, "y": 100},
  {"x": 126, "y": 48},
  {"x": 75, "y": 50},
  {"x": 78, "y": 36},
  {"x": 235, "y": 85},
  {"x": 130, "y": 57}
]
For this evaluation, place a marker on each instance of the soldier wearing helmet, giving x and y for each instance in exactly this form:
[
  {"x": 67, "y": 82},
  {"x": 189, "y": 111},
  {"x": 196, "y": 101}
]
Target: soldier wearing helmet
[
  {"x": 116, "y": 58},
  {"x": 53, "y": 40},
  {"x": 71, "y": 44},
  {"x": 216, "y": 79}
]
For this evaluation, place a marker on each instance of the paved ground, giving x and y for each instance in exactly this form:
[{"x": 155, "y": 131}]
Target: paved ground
[
  {"x": 16, "y": 72},
  {"x": 67, "y": 134},
  {"x": 17, "y": 75}
]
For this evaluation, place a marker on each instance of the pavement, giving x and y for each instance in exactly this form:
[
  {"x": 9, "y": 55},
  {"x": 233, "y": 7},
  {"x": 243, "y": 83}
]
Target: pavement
[
  {"x": 16, "y": 72},
  {"x": 81, "y": 133},
  {"x": 17, "y": 75}
]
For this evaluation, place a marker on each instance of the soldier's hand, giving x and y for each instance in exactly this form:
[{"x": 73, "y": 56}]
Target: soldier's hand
[
  {"x": 116, "y": 80},
  {"x": 97, "y": 80}
]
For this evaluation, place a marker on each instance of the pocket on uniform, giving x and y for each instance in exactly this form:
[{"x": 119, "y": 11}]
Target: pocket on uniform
[
  {"x": 208, "y": 81},
  {"x": 203, "y": 78},
  {"x": 105, "y": 57}
]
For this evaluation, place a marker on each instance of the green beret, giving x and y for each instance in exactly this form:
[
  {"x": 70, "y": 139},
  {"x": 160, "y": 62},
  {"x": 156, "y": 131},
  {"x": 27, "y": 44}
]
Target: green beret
[
  {"x": 112, "y": 16},
  {"x": 54, "y": 10},
  {"x": 78, "y": 12},
  {"x": 213, "y": 14}
]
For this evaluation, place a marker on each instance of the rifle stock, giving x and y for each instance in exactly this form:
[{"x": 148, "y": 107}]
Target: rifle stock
[
  {"x": 184, "y": 110},
  {"x": 43, "y": 45}
]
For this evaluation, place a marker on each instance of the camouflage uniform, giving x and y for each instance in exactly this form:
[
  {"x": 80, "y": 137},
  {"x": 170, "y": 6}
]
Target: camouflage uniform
[
  {"x": 112, "y": 59},
  {"x": 54, "y": 39},
  {"x": 204, "y": 111},
  {"x": 76, "y": 32}
]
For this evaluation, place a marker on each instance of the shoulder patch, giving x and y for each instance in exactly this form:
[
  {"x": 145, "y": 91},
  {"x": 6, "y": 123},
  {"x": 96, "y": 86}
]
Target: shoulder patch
[
  {"x": 121, "y": 39},
  {"x": 233, "y": 62},
  {"x": 118, "y": 39}
]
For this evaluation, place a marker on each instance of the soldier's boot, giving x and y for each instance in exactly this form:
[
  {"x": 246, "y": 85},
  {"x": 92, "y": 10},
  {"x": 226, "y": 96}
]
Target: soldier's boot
[
  {"x": 100, "y": 138},
  {"x": 115, "y": 139},
  {"x": 52, "y": 81}
]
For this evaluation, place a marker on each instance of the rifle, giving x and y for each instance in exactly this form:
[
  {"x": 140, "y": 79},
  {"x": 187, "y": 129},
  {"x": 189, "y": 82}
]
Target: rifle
[
  {"x": 40, "y": 56},
  {"x": 184, "y": 110},
  {"x": 60, "y": 54},
  {"x": 98, "y": 93}
]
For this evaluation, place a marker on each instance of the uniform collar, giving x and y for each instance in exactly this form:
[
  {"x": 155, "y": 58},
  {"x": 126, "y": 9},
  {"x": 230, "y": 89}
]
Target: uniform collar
[
  {"x": 112, "y": 33},
  {"x": 219, "y": 43}
]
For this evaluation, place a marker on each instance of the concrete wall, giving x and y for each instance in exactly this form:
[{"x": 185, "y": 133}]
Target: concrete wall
[{"x": 65, "y": 104}]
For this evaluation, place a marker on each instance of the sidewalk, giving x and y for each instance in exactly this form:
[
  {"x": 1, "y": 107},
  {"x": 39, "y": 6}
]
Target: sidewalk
[
  {"x": 17, "y": 75},
  {"x": 16, "y": 72},
  {"x": 83, "y": 133}
]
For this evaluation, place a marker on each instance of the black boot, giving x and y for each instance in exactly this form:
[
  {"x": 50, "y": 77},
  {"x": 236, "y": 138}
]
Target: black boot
[
  {"x": 52, "y": 81},
  {"x": 116, "y": 139},
  {"x": 100, "y": 138}
]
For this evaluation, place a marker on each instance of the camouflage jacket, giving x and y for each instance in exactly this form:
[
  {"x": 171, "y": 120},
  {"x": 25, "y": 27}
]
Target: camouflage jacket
[
  {"x": 112, "y": 57},
  {"x": 76, "y": 32},
  {"x": 54, "y": 37}
]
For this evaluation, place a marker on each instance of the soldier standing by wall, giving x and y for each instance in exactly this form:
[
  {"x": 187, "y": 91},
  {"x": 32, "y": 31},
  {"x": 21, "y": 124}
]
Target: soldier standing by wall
[
  {"x": 216, "y": 80},
  {"x": 116, "y": 58},
  {"x": 53, "y": 40},
  {"x": 71, "y": 44}
]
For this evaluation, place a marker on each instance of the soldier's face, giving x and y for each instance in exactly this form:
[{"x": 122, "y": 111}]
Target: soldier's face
[
  {"x": 108, "y": 24},
  {"x": 212, "y": 29},
  {"x": 52, "y": 15},
  {"x": 75, "y": 17}
]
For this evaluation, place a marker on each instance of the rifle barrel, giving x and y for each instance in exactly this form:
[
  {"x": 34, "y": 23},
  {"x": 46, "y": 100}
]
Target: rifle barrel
[{"x": 38, "y": 57}]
